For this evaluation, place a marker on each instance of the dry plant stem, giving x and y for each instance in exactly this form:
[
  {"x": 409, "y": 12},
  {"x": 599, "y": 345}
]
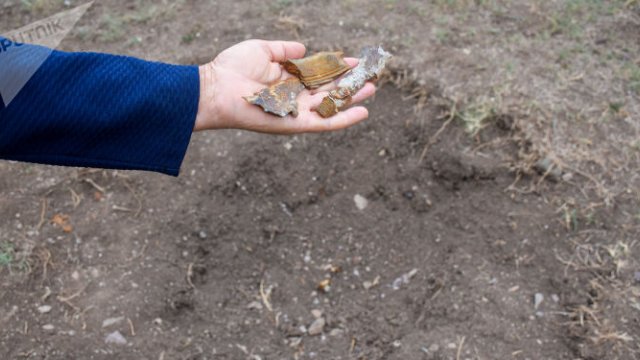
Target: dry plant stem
[
  {"x": 434, "y": 138},
  {"x": 136, "y": 196},
  {"x": 96, "y": 186},
  {"x": 43, "y": 212},
  {"x": 264, "y": 295},
  {"x": 131, "y": 328},
  {"x": 190, "y": 275},
  {"x": 460, "y": 348}
]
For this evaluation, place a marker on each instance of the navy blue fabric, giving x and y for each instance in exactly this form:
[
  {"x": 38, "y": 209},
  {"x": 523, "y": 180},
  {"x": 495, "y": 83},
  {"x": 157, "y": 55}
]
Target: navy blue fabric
[{"x": 99, "y": 110}]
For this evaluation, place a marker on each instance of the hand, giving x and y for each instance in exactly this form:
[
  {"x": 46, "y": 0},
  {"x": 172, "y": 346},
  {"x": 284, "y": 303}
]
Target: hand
[{"x": 251, "y": 66}]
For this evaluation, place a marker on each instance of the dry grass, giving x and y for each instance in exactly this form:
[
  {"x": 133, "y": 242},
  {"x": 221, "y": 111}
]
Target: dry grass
[
  {"x": 16, "y": 254},
  {"x": 602, "y": 270}
]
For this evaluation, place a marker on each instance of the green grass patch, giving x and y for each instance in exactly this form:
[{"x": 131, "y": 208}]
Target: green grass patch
[
  {"x": 633, "y": 75},
  {"x": 7, "y": 255},
  {"x": 476, "y": 116},
  {"x": 38, "y": 6}
]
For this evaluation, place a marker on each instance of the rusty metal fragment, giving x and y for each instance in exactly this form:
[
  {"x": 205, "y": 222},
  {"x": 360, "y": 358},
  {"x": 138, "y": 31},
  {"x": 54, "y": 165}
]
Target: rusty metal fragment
[
  {"x": 280, "y": 98},
  {"x": 318, "y": 69},
  {"x": 372, "y": 62}
]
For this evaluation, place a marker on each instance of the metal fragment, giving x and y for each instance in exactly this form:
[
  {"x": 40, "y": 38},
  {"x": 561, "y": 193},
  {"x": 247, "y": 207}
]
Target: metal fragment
[
  {"x": 318, "y": 69},
  {"x": 280, "y": 98},
  {"x": 371, "y": 65}
]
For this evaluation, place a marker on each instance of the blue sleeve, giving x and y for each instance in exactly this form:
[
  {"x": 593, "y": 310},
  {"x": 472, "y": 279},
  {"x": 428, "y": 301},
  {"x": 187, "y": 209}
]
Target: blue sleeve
[{"x": 99, "y": 110}]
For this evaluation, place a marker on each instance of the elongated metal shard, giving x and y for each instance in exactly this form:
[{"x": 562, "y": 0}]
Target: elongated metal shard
[
  {"x": 278, "y": 99},
  {"x": 372, "y": 62}
]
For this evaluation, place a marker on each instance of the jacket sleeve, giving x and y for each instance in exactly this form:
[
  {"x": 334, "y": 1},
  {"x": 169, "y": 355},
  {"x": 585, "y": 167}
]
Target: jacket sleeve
[{"x": 99, "y": 110}]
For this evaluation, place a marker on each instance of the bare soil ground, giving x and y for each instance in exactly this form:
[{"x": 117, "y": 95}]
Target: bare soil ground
[{"x": 499, "y": 167}]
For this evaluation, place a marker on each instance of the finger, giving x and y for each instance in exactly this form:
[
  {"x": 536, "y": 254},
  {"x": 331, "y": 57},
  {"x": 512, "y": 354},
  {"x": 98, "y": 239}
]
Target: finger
[
  {"x": 353, "y": 62},
  {"x": 339, "y": 121},
  {"x": 325, "y": 88},
  {"x": 317, "y": 98},
  {"x": 280, "y": 51},
  {"x": 366, "y": 92}
]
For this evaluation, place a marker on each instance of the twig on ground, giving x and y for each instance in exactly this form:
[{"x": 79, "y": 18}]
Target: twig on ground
[
  {"x": 135, "y": 195},
  {"x": 460, "y": 348},
  {"x": 265, "y": 295},
  {"x": 47, "y": 293},
  {"x": 75, "y": 198},
  {"x": 46, "y": 254},
  {"x": 96, "y": 186},
  {"x": 434, "y": 138},
  {"x": 67, "y": 299},
  {"x": 190, "y": 275},
  {"x": 131, "y": 328},
  {"x": 43, "y": 212}
]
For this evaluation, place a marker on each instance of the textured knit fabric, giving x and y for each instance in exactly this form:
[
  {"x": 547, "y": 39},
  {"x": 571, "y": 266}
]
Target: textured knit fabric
[{"x": 99, "y": 110}]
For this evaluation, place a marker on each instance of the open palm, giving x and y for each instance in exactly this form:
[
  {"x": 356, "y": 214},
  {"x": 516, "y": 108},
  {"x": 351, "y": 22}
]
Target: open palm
[{"x": 251, "y": 66}]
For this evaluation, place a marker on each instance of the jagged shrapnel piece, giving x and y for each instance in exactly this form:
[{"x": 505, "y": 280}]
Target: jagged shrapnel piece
[
  {"x": 318, "y": 69},
  {"x": 279, "y": 98},
  {"x": 372, "y": 62}
]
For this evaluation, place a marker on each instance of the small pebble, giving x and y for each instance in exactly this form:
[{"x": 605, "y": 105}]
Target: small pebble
[
  {"x": 336, "y": 332},
  {"x": 48, "y": 327},
  {"x": 369, "y": 284},
  {"x": 115, "y": 338},
  {"x": 316, "y": 313},
  {"x": 404, "y": 279},
  {"x": 112, "y": 321},
  {"x": 202, "y": 235},
  {"x": 254, "y": 305},
  {"x": 555, "y": 298},
  {"x": 361, "y": 202},
  {"x": 538, "y": 298},
  {"x": 295, "y": 342},
  {"x": 44, "y": 309},
  {"x": 317, "y": 327}
]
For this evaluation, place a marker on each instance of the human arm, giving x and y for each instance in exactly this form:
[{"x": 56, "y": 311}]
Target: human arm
[{"x": 99, "y": 110}]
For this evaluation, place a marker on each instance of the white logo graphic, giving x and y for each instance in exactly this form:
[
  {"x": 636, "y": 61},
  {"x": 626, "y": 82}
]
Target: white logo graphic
[{"x": 18, "y": 62}]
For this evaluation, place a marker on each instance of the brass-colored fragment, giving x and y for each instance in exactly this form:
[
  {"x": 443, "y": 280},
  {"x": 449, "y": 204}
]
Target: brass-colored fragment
[
  {"x": 372, "y": 62},
  {"x": 280, "y": 98},
  {"x": 319, "y": 69},
  {"x": 324, "y": 285}
]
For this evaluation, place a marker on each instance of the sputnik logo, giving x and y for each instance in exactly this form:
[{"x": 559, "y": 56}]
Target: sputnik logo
[{"x": 24, "y": 50}]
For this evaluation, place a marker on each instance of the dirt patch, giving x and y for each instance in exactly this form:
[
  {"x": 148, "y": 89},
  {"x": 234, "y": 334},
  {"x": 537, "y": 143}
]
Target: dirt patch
[{"x": 458, "y": 247}]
